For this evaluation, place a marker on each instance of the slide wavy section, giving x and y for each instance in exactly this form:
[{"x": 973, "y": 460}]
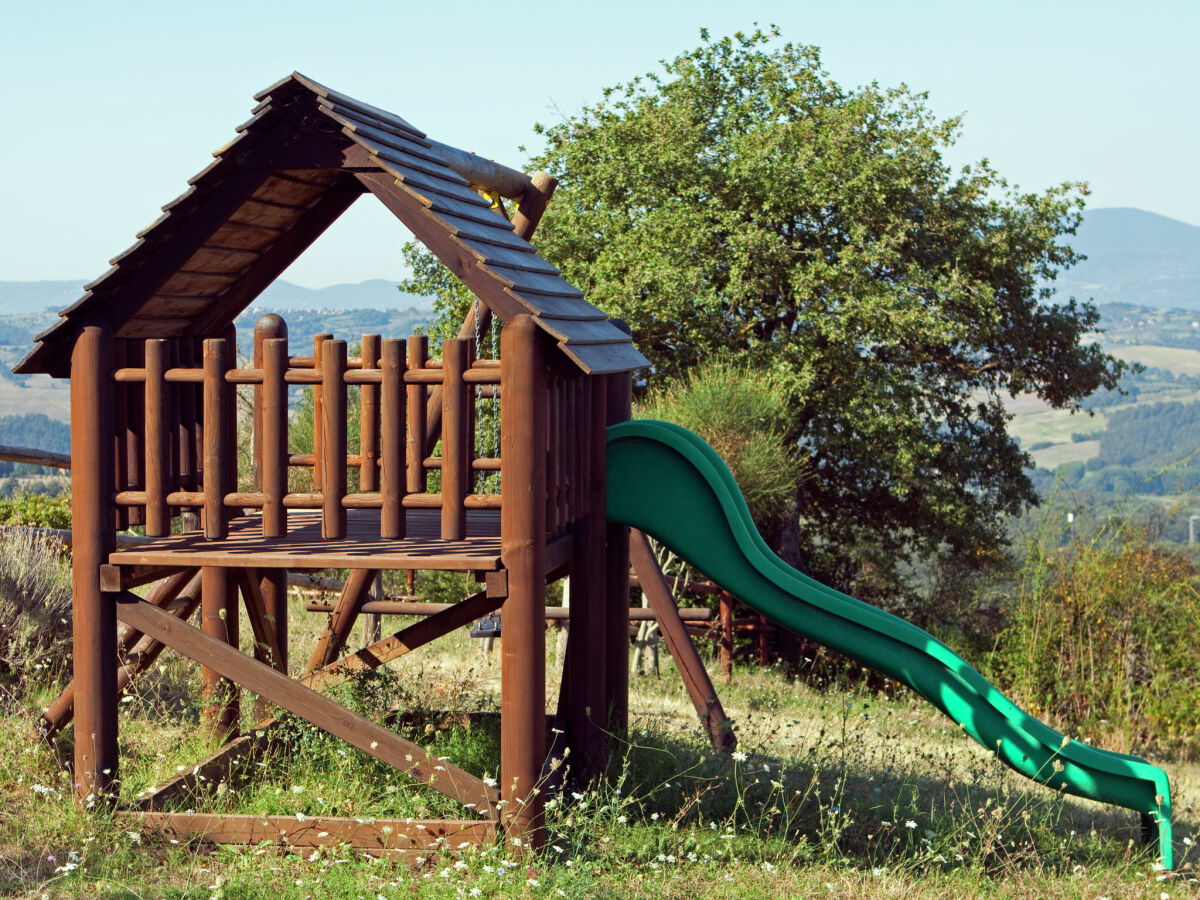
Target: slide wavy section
[{"x": 669, "y": 483}]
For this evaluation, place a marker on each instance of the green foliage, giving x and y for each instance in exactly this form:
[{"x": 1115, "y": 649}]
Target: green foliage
[
  {"x": 744, "y": 417},
  {"x": 1101, "y": 639},
  {"x": 742, "y": 204},
  {"x": 36, "y": 511}
]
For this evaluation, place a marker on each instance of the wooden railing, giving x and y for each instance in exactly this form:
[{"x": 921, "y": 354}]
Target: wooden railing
[{"x": 177, "y": 422}]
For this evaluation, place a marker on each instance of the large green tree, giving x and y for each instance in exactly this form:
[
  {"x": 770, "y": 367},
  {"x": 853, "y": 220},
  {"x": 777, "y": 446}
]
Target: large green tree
[{"x": 743, "y": 205}]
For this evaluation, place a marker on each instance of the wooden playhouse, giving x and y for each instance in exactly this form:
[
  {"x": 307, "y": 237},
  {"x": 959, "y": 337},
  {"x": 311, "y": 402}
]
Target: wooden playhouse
[{"x": 150, "y": 351}]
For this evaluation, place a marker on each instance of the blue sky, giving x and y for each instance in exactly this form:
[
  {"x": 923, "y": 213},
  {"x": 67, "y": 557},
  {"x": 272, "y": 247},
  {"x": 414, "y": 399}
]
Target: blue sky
[{"x": 111, "y": 107}]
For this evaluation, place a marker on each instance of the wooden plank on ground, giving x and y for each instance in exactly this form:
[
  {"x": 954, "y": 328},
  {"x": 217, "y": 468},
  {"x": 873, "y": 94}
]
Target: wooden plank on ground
[
  {"x": 360, "y": 732},
  {"x": 371, "y": 834}
]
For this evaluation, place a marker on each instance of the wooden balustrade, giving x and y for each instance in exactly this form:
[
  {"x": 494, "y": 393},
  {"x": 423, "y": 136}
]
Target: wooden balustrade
[{"x": 186, "y": 414}]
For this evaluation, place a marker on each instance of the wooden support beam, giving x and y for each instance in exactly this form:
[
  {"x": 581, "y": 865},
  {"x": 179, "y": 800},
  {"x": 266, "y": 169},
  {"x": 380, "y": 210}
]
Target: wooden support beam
[
  {"x": 368, "y": 419},
  {"x": 341, "y": 620},
  {"x": 457, "y": 451},
  {"x": 158, "y": 457},
  {"x": 418, "y": 353},
  {"x": 372, "y": 739},
  {"x": 687, "y": 660},
  {"x": 266, "y": 647},
  {"x": 94, "y": 626},
  {"x": 618, "y": 408},
  {"x": 523, "y": 548},
  {"x": 393, "y": 406},
  {"x": 333, "y": 487},
  {"x": 35, "y": 457}
]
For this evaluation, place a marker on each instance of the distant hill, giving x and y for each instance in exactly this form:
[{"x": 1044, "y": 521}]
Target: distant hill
[
  {"x": 1135, "y": 257},
  {"x": 18, "y": 297}
]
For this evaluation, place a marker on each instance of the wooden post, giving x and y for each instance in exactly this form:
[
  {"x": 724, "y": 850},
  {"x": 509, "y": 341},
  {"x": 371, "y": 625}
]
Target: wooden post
[
  {"x": 457, "y": 451},
  {"x": 218, "y": 480},
  {"x": 586, "y": 712},
  {"x": 158, "y": 456},
  {"x": 523, "y": 550},
  {"x": 318, "y": 472},
  {"x": 219, "y": 619},
  {"x": 333, "y": 489},
  {"x": 618, "y": 407},
  {"x": 727, "y": 635},
  {"x": 393, "y": 410},
  {"x": 268, "y": 327},
  {"x": 418, "y": 352},
  {"x": 135, "y": 430},
  {"x": 94, "y": 621},
  {"x": 186, "y": 434},
  {"x": 368, "y": 420},
  {"x": 270, "y": 436}
]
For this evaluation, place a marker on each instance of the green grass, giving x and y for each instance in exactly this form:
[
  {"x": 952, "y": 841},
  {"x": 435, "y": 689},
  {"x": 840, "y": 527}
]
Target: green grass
[{"x": 859, "y": 794}]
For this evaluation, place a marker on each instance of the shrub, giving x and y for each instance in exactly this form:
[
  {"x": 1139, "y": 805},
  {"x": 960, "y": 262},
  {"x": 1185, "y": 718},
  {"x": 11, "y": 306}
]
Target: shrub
[
  {"x": 37, "y": 511},
  {"x": 35, "y": 606},
  {"x": 1101, "y": 639}
]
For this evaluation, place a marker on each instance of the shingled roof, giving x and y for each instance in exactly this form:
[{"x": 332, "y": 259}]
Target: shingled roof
[{"x": 303, "y": 158}]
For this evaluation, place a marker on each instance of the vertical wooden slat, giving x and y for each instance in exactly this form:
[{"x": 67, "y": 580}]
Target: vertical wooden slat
[
  {"x": 618, "y": 397},
  {"x": 217, "y": 480},
  {"x": 341, "y": 620},
  {"x": 135, "y": 430},
  {"x": 173, "y": 417},
  {"x": 318, "y": 472},
  {"x": 554, "y": 454},
  {"x": 267, "y": 327},
  {"x": 523, "y": 550},
  {"x": 586, "y": 713},
  {"x": 333, "y": 384},
  {"x": 273, "y": 585},
  {"x": 219, "y": 619},
  {"x": 392, "y": 474},
  {"x": 271, "y": 437},
  {"x": 456, "y": 450},
  {"x": 94, "y": 622},
  {"x": 185, "y": 432},
  {"x": 726, "y": 608},
  {"x": 158, "y": 457},
  {"x": 368, "y": 428},
  {"x": 120, "y": 447},
  {"x": 418, "y": 353}
]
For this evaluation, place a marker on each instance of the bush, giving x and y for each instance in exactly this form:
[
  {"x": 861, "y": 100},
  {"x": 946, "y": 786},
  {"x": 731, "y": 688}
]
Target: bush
[
  {"x": 36, "y": 511},
  {"x": 1101, "y": 639},
  {"x": 35, "y": 607}
]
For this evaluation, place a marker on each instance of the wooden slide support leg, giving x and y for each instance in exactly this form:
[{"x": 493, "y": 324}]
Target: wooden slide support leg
[
  {"x": 272, "y": 585},
  {"x": 219, "y": 620},
  {"x": 129, "y": 641},
  {"x": 523, "y": 550},
  {"x": 687, "y": 660},
  {"x": 618, "y": 401},
  {"x": 342, "y": 619}
]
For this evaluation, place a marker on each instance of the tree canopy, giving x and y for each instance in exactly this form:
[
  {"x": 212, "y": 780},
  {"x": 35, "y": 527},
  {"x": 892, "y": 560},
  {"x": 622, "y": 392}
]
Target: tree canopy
[{"x": 742, "y": 205}]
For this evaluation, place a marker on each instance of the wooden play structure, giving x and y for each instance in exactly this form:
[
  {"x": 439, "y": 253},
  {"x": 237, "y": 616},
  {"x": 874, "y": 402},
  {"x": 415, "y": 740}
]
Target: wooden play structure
[{"x": 150, "y": 351}]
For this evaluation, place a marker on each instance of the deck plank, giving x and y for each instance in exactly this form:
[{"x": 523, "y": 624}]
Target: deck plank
[{"x": 303, "y": 547}]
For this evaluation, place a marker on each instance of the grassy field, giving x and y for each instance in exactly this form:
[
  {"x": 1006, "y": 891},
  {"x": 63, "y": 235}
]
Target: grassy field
[{"x": 864, "y": 792}]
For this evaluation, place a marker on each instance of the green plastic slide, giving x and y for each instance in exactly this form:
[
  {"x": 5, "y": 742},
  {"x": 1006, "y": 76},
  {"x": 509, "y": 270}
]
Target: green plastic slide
[{"x": 667, "y": 482}]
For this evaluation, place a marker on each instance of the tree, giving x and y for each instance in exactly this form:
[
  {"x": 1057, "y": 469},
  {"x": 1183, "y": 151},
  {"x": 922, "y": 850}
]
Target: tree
[{"x": 741, "y": 204}]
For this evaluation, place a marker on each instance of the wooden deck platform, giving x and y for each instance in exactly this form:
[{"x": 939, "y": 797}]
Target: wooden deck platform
[{"x": 304, "y": 548}]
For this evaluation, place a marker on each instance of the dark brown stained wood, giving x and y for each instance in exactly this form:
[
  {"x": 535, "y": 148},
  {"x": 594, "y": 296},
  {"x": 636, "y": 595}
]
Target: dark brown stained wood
[
  {"x": 185, "y": 429},
  {"x": 207, "y": 774},
  {"x": 285, "y": 190},
  {"x": 418, "y": 351},
  {"x": 310, "y": 226},
  {"x": 219, "y": 621},
  {"x": 303, "y": 547},
  {"x": 563, "y": 306},
  {"x": 601, "y": 359},
  {"x": 372, "y": 134},
  {"x": 333, "y": 487},
  {"x": 158, "y": 518},
  {"x": 499, "y": 233},
  {"x": 523, "y": 530},
  {"x": 683, "y": 651},
  {"x": 36, "y": 457},
  {"x": 217, "y": 481},
  {"x": 393, "y": 402},
  {"x": 534, "y": 198},
  {"x": 197, "y": 284},
  {"x": 522, "y": 281},
  {"x": 318, "y": 475},
  {"x": 248, "y": 237},
  {"x": 420, "y": 174},
  {"x": 266, "y": 649},
  {"x": 341, "y": 620},
  {"x": 357, "y": 106},
  {"x": 372, "y": 739},
  {"x": 368, "y": 435},
  {"x": 273, "y": 584},
  {"x": 257, "y": 212},
  {"x": 148, "y": 328},
  {"x": 456, "y": 438},
  {"x": 618, "y": 408},
  {"x": 481, "y": 212},
  {"x": 94, "y": 630},
  {"x": 173, "y": 307},
  {"x": 135, "y": 429},
  {"x": 272, "y": 435},
  {"x": 214, "y": 257},
  {"x": 373, "y": 835},
  {"x": 405, "y": 640}
]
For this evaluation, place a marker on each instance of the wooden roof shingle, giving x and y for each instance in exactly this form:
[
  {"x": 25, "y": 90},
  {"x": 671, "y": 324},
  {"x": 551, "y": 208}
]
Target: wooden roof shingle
[{"x": 305, "y": 155}]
